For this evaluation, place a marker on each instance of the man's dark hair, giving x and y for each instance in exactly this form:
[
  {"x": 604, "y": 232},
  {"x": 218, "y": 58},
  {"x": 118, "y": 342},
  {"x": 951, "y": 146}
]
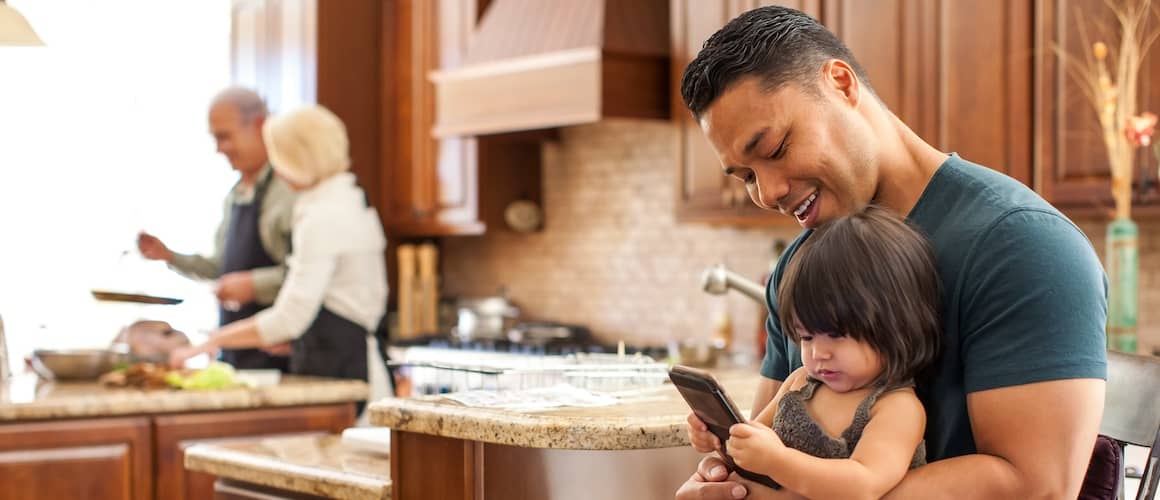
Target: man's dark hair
[
  {"x": 871, "y": 277},
  {"x": 779, "y": 45}
]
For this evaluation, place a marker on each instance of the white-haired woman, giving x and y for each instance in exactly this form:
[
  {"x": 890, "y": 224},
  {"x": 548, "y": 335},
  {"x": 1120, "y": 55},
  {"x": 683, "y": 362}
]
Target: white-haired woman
[{"x": 335, "y": 291}]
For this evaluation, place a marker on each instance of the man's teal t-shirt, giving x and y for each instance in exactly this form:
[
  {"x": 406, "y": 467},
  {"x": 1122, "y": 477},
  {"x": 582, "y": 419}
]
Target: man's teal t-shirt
[{"x": 1024, "y": 297}]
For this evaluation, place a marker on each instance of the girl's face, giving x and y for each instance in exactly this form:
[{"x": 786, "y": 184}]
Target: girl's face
[{"x": 842, "y": 363}]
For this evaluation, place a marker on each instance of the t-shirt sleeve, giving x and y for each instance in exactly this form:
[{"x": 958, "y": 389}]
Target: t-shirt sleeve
[
  {"x": 1033, "y": 304},
  {"x": 777, "y": 363}
]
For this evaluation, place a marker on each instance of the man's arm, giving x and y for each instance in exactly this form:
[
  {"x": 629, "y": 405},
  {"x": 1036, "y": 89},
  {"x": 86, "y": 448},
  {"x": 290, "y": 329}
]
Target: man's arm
[
  {"x": 202, "y": 266},
  {"x": 267, "y": 282},
  {"x": 1025, "y": 449}
]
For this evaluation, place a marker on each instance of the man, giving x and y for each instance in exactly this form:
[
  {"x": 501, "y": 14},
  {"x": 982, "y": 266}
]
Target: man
[
  {"x": 253, "y": 238},
  {"x": 1015, "y": 404}
]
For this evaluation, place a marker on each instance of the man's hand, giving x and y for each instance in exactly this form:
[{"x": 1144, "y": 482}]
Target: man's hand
[
  {"x": 282, "y": 349},
  {"x": 753, "y": 446},
  {"x": 152, "y": 248},
  {"x": 235, "y": 288},
  {"x": 711, "y": 482},
  {"x": 703, "y": 440}
]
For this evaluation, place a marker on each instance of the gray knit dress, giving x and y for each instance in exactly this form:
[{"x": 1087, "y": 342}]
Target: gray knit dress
[{"x": 798, "y": 430}]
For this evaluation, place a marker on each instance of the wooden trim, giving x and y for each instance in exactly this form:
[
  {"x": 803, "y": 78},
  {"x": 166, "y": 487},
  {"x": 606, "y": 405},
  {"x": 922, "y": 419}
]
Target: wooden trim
[
  {"x": 534, "y": 62},
  {"x": 566, "y": 94}
]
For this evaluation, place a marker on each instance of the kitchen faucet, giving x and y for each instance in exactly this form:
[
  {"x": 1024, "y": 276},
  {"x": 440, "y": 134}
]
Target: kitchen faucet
[{"x": 717, "y": 280}]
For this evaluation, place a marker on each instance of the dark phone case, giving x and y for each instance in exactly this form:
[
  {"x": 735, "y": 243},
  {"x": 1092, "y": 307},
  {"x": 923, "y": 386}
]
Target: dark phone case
[{"x": 717, "y": 411}]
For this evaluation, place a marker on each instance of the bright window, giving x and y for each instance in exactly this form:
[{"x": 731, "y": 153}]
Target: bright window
[{"x": 103, "y": 133}]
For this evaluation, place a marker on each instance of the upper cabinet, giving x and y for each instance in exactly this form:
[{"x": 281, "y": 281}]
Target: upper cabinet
[
  {"x": 450, "y": 185},
  {"x": 430, "y": 186},
  {"x": 1070, "y": 156},
  {"x": 958, "y": 73}
]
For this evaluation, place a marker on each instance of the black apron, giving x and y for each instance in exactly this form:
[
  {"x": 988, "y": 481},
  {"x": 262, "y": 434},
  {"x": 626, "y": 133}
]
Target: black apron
[
  {"x": 332, "y": 346},
  {"x": 243, "y": 252}
]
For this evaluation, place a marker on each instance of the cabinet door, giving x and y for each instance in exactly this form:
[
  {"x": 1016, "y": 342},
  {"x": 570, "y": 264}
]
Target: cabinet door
[
  {"x": 430, "y": 186},
  {"x": 175, "y": 433},
  {"x": 958, "y": 73},
  {"x": 1071, "y": 160},
  {"x": 94, "y": 459}
]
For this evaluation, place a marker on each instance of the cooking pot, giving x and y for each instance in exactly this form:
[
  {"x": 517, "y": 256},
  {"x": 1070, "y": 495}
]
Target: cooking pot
[
  {"x": 76, "y": 364},
  {"x": 485, "y": 318}
]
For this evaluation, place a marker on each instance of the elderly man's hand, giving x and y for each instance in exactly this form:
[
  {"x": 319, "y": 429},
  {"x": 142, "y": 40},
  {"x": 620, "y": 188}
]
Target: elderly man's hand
[
  {"x": 236, "y": 288},
  {"x": 152, "y": 248}
]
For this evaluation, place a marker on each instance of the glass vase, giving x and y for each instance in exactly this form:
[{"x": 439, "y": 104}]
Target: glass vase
[{"x": 1123, "y": 267}]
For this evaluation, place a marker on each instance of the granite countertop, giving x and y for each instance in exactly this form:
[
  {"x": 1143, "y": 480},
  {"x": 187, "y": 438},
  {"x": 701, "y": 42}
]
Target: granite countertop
[
  {"x": 650, "y": 418},
  {"x": 316, "y": 464},
  {"x": 25, "y": 397}
]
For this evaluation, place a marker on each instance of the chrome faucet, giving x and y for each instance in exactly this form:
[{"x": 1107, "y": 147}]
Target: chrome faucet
[{"x": 717, "y": 280}]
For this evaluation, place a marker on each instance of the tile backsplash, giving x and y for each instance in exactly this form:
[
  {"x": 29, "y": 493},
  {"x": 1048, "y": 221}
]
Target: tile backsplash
[{"x": 612, "y": 256}]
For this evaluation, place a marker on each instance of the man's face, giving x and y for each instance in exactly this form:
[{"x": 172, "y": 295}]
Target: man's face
[
  {"x": 239, "y": 140},
  {"x": 805, "y": 155}
]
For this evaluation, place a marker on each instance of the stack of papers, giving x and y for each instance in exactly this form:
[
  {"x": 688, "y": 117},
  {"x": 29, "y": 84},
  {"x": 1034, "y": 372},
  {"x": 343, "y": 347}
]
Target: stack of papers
[{"x": 533, "y": 399}]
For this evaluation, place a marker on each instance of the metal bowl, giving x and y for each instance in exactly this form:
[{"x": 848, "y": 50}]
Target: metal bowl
[{"x": 75, "y": 364}]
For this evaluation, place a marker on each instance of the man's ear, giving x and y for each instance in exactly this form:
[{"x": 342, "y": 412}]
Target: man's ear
[{"x": 839, "y": 76}]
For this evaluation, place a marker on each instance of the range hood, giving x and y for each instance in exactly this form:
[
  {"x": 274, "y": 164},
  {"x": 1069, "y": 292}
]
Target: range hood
[{"x": 535, "y": 64}]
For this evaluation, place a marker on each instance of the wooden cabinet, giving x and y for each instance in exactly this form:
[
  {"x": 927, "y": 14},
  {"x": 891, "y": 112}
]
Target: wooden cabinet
[
  {"x": 175, "y": 433},
  {"x": 429, "y": 186},
  {"x": 1071, "y": 160},
  {"x": 137, "y": 458},
  {"x": 95, "y": 459},
  {"x": 959, "y": 73}
]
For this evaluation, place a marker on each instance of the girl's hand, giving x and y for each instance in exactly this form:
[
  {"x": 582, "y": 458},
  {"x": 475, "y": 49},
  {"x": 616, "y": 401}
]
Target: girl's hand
[{"x": 753, "y": 446}]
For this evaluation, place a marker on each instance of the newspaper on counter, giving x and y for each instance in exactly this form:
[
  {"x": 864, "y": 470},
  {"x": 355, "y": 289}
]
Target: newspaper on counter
[{"x": 533, "y": 399}]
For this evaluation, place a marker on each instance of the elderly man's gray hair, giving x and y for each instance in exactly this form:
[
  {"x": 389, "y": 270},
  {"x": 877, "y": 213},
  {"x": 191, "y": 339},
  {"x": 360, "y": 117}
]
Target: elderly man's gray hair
[{"x": 249, "y": 103}]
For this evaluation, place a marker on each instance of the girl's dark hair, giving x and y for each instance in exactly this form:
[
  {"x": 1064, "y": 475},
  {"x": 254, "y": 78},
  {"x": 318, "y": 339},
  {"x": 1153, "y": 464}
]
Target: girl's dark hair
[{"x": 872, "y": 277}]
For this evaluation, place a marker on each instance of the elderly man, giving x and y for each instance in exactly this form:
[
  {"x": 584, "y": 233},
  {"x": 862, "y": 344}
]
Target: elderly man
[{"x": 253, "y": 238}]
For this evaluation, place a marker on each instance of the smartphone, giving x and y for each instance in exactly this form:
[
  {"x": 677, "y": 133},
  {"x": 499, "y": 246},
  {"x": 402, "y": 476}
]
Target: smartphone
[{"x": 709, "y": 401}]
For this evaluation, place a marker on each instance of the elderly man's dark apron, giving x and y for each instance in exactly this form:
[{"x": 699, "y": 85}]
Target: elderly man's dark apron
[{"x": 243, "y": 252}]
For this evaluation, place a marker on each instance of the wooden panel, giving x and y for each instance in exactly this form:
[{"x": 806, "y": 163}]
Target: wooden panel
[
  {"x": 425, "y": 467},
  {"x": 1070, "y": 158},
  {"x": 174, "y": 433},
  {"x": 429, "y": 186},
  {"x": 97, "y": 459},
  {"x": 349, "y": 80},
  {"x": 984, "y": 88},
  {"x": 700, "y": 181}
]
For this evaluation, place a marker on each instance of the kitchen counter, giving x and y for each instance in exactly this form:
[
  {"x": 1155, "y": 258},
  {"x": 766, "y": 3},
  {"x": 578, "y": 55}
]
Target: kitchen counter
[
  {"x": 635, "y": 449},
  {"x": 25, "y": 397},
  {"x": 317, "y": 465},
  {"x": 650, "y": 418}
]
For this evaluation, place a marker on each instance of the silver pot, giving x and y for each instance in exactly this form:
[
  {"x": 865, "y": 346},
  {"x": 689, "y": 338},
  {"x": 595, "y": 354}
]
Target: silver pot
[
  {"x": 485, "y": 318},
  {"x": 76, "y": 364}
]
